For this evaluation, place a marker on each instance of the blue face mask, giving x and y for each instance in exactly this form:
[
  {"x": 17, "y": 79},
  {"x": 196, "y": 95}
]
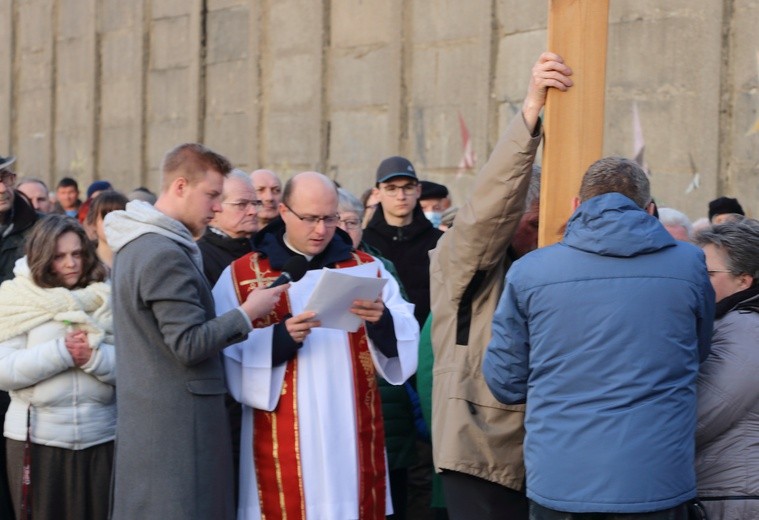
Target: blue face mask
[{"x": 435, "y": 217}]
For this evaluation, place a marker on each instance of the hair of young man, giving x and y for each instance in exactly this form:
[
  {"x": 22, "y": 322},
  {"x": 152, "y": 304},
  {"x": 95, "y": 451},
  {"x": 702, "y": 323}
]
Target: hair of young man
[
  {"x": 739, "y": 241},
  {"x": 107, "y": 201},
  {"x": 191, "y": 161},
  {"x": 67, "y": 182},
  {"x": 616, "y": 175},
  {"x": 42, "y": 244}
]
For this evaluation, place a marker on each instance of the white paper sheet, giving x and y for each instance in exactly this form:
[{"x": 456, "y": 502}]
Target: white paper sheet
[{"x": 334, "y": 294}]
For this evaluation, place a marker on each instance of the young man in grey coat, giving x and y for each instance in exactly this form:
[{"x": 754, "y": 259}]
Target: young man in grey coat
[{"x": 173, "y": 455}]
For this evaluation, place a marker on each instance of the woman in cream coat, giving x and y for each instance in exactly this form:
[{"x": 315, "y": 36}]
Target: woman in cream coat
[
  {"x": 57, "y": 361},
  {"x": 727, "y": 435}
]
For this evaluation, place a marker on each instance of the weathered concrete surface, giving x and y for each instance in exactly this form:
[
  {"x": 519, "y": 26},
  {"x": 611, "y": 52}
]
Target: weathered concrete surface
[{"x": 102, "y": 88}]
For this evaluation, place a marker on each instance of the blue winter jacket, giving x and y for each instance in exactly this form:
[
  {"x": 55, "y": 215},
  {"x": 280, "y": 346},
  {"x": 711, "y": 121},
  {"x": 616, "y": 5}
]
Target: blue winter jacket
[{"x": 602, "y": 335}]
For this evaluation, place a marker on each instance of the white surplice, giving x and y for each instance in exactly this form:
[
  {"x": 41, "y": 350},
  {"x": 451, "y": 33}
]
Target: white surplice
[{"x": 326, "y": 410}]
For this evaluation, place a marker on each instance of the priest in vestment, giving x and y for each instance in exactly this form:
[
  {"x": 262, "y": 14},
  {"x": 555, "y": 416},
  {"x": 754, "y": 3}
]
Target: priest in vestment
[{"x": 312, "y": 435}]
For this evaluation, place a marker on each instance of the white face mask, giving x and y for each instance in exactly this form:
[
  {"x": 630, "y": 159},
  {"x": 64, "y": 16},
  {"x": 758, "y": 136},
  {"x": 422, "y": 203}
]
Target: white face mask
[{"x": 435, "y": 217}]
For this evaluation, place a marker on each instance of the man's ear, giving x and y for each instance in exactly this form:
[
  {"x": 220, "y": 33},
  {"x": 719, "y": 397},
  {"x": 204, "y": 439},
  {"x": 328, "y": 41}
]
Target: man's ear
[
  {"x": 179, "y": 186},
  {"x": 576, "y": 203},
  {"x": 650, "y": 207},
  {"x": 281, "y": 208}
]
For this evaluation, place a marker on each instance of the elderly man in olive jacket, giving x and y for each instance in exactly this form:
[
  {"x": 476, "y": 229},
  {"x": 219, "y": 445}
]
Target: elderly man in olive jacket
[{"x": 173, "y": 455}]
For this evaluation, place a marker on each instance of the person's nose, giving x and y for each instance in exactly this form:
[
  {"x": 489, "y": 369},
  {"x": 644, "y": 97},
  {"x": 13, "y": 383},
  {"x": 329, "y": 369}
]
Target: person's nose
[
  {"x": 252, "y": 210},
  {"x": 320, "y": 227}
]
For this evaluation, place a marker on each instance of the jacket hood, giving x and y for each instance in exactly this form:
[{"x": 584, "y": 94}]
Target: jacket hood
[
  {"x": 419, "y": 224},
  {"x": 269, "y": 241},
  {"x": 613, "y": 225},
  {"x": 140, "y": 218}
]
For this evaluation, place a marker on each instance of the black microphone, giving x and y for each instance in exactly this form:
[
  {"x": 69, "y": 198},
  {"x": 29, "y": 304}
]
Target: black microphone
[{"x": 293, "y": 270}]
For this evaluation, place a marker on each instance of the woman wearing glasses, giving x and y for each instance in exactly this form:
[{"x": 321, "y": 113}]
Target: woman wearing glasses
[{"x": 727, "y": 436}]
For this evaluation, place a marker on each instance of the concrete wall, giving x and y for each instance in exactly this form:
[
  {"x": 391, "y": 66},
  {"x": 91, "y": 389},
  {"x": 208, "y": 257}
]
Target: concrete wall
[{"x": 100, "y": 89}]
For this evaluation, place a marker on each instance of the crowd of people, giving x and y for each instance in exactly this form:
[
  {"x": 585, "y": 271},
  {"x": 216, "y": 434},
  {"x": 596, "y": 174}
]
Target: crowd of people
[{"x": 160, "y": 356}]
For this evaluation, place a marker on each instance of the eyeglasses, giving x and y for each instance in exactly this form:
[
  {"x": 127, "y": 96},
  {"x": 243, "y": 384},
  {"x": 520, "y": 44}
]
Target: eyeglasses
[
  {"x": 407, "y": 189},
  {"x": 330, "y": 221},
  {"x": 350, "y": 223},
  {"x": 714, "y": 271},
  {"x": 8, "y": 178},
  {"x": 244, "y": 204}
]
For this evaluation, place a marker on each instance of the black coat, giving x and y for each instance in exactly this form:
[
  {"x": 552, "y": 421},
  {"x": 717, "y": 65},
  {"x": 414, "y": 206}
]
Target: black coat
[
  {"x": 23, "y": 218},
  {"x": 407, "y": 247},
  {"x": 220, "y": 251}
]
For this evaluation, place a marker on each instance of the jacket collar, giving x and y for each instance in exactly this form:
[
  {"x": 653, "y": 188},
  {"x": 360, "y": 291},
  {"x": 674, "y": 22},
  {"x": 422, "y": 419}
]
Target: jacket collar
[
  {"x": 22, "y": 215},
  {"x": 270, "y": 242},
  {"x": 419, "y": 224}
]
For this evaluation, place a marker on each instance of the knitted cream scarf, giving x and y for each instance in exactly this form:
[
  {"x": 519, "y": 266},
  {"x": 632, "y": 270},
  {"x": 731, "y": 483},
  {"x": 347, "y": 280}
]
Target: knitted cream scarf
[{"x": 24, "y": 305}]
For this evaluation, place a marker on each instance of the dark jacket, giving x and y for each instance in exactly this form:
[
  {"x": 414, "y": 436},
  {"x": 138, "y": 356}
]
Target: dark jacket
[
  {"x": 407, "y": 247},
  {"x": 219, "y": 251},
  {"x": 397, "y": 410},
  {"x": 23, "y": 218}
]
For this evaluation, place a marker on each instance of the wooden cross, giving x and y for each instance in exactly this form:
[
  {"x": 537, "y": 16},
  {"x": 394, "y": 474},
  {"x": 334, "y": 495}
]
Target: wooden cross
[{"x": 574, "y": 120}]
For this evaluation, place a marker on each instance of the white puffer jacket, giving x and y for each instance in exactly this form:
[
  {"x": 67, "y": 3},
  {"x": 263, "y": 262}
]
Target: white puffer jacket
[{"x": 71, "y": 407}]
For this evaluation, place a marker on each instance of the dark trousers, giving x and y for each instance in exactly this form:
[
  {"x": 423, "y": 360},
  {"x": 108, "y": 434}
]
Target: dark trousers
[
  {"x": 66, "y": 484},
  {"x": 6, "y": 506},
  {"x": 468, "y": 497},
  {"x": 398, "y": 482},
  {"x": 538, "y": 512}
]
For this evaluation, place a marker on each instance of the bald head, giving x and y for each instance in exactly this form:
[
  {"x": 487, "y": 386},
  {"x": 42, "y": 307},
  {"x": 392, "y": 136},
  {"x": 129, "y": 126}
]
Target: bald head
[
  {"x": 307, "y": 182},
  {"x": 309, "y": 210},
  {"x": 269, "y": 191}
]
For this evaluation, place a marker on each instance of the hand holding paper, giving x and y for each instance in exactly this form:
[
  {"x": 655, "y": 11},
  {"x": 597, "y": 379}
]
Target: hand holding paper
[
  {"x": 368, "y": 310},
  {"x": 336, "y": 294}
]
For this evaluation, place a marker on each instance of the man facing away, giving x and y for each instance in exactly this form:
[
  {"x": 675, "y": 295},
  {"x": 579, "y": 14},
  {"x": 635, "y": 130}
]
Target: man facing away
[
  {"x": 269, "y": 191},
  {"x": 477, "y": 441},
  {"x": 228, "y": 235},
  {"x": 602, "y": 335},
  {"x": 173, "y": 456},
  {"x": 313, "y": 441}
]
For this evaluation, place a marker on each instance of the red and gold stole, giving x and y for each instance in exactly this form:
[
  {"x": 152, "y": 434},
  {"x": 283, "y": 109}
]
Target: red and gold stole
[{"x": 276, "y": 449}]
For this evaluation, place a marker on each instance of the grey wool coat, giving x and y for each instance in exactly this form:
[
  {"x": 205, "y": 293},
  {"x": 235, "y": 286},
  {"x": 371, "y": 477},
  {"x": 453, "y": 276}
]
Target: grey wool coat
[{"x": 173, "y": 455}]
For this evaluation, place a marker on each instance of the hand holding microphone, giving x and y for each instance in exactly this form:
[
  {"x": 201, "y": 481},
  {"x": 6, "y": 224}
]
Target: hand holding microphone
[{"x": 260, "y": 302}]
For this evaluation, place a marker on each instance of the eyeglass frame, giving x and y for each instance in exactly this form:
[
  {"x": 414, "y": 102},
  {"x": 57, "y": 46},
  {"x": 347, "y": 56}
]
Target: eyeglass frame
[
  {"x": 355, "y": 223},
  {"x": 392, "y": 189},
  {"x": 243, "y": 205},
  {"x": 313, "y": 220},
  {"x": 5, "y": 174},
  {"x": 714, "y": 271}
]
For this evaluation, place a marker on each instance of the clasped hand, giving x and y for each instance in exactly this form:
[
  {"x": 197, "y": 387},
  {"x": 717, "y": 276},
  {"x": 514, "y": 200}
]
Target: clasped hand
[{"x": 78, "y": 346}]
